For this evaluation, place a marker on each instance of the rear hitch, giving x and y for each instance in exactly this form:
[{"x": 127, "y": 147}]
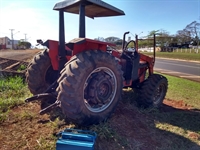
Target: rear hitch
[
  {"x": 50, "y": 107},
  {"x": 48, "y": 94},
  {"x": 42, "y": 96},
  {"x": 39, "y": 97}
]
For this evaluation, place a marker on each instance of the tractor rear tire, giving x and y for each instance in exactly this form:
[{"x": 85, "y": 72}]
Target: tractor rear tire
[
  {"x": 90, "y": 87},
  {"x": 152, "y": 91}
]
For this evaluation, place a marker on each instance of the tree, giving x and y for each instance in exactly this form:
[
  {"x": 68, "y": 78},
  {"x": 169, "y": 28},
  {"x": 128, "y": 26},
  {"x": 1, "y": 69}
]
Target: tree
[
  {"x": 151, "y": 33},
  {"x": 112, "y": 39},
  {"x": 119, "y": 42},
  {"x": 184, "y": 36},
  {"x": 115, "y": 40},
  {"x": 163, "y": 38},
  {"x": 189, "y": 34},
  {"x": 174, "y": 41},
  {"x": 100, "y": 39},
  {"x": 24, "y": 45},
  {"x": 194, "y": 29},
  {"x": 145, "y": 42}
]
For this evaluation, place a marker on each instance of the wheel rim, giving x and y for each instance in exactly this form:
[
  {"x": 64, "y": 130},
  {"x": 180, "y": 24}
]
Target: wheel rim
[
  {"x": 159, "y": 93},
  {"x": 99, "y": 89}
]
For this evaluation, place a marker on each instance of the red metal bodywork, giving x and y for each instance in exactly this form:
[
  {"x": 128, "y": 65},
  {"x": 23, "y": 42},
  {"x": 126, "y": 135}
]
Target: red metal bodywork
[
  {"x": 53, "y": 53},
  {"x": 79, "y": 45},
  {"x": 149, "y": 60},
  {"x": 83, "y": 44}
]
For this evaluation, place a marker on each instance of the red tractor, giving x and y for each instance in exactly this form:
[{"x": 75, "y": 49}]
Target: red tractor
[{"x": 86, "y": 79}]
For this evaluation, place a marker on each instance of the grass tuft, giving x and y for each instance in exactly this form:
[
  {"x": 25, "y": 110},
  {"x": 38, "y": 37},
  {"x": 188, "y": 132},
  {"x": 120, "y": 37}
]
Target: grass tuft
[
  {"x": 21, "y": 67},
  {"x": 13, "y": 91}
]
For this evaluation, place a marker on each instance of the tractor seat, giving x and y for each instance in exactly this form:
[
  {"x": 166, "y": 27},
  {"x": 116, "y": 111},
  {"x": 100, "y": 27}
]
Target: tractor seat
[{"x": 143, "y": 64}]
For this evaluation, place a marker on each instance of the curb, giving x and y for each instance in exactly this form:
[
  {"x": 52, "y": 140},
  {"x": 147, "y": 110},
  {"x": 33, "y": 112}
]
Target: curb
[{"x": 179, "y": 59}]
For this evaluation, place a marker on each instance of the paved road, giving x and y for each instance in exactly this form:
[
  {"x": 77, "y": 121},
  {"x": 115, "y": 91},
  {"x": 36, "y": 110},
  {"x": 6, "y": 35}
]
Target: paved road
[{"x": 183, "y": 69}]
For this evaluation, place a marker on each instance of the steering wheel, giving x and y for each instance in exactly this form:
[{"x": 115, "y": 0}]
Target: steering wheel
[{"x": 125, "y": 48}]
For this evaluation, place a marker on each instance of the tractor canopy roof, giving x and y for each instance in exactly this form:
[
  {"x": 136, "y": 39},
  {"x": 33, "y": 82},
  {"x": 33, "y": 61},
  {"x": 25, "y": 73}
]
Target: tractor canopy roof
[{"x": 93, "y": 8}]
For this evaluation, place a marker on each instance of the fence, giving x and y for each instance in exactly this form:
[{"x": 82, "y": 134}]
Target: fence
[
  {"x": 181, "y": 50},
  {"x": 186, "y": 50},
  {"x": 170, "y": 49}
]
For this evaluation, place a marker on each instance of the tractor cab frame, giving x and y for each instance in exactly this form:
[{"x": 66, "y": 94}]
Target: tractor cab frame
[{"x": 89, "y": 8}]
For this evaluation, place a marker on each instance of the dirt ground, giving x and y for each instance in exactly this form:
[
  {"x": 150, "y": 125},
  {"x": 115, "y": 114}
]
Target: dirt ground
[
  {"x": 18, "y": 54},
  {"x": 14, "y": 62},
  {"x": 25, "y": 129}
]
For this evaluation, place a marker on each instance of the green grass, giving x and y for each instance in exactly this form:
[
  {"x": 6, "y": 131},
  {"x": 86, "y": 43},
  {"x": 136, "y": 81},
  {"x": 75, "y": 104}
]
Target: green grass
[
  {"x": 21, "y": 68},
  {"x": 176, "y": 55},
  {"x": 183, "y": 89},
  {"x": 13, "y": 91},
  {"x": 104, "y": 131}
]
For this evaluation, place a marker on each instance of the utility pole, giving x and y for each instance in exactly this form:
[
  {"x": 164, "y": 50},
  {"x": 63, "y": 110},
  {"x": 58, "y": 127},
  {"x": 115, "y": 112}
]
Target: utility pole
[
  {"x": 12, "y": 37},
  {"x": 25, "y": 37}
]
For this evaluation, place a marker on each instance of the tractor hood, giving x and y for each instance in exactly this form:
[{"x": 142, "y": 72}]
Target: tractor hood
[{"x": 93, "y": 8}]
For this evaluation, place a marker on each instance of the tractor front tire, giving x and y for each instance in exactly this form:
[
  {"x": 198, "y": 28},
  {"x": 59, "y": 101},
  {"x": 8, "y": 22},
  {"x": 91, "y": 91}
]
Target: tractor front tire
[
  {"x": 90, "y": 87},
  {"x": 152, "y": 91}
]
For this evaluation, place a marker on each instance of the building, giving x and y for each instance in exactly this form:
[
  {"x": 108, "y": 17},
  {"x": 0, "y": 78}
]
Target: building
[{"x": 6, "y": 43}]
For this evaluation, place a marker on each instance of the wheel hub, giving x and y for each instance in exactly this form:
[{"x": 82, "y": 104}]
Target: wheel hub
[
  {"x": 103, "y": 90},
  {"x": 100, "y": 89},
  {"x": 159, "y": 93}
]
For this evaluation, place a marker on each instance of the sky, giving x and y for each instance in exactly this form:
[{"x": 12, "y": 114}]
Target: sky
[{"x": 38, "y": 20}]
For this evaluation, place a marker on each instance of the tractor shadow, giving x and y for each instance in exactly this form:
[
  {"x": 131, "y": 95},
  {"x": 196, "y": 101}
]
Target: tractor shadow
[
  {"x": 165, "y": 128},
  {"x": 188, "y": 119},
  {"x": 173, "y": 112}
]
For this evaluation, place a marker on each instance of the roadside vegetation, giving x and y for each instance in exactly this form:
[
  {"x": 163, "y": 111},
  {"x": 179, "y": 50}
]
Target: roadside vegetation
[
  {"x": 175, "y": 126},
  {"x": 176, "y": 55}
]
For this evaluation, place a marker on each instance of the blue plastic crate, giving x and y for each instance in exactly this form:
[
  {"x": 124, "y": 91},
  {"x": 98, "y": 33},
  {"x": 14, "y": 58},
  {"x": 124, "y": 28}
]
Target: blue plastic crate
[{"x": 73, "y": 139}]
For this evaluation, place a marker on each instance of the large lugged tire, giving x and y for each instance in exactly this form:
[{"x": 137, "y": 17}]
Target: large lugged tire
[
  {"x": 40, "y": 73},
  {"x": 152, "y": 91},
  {"x": 90, "y": 87}
]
